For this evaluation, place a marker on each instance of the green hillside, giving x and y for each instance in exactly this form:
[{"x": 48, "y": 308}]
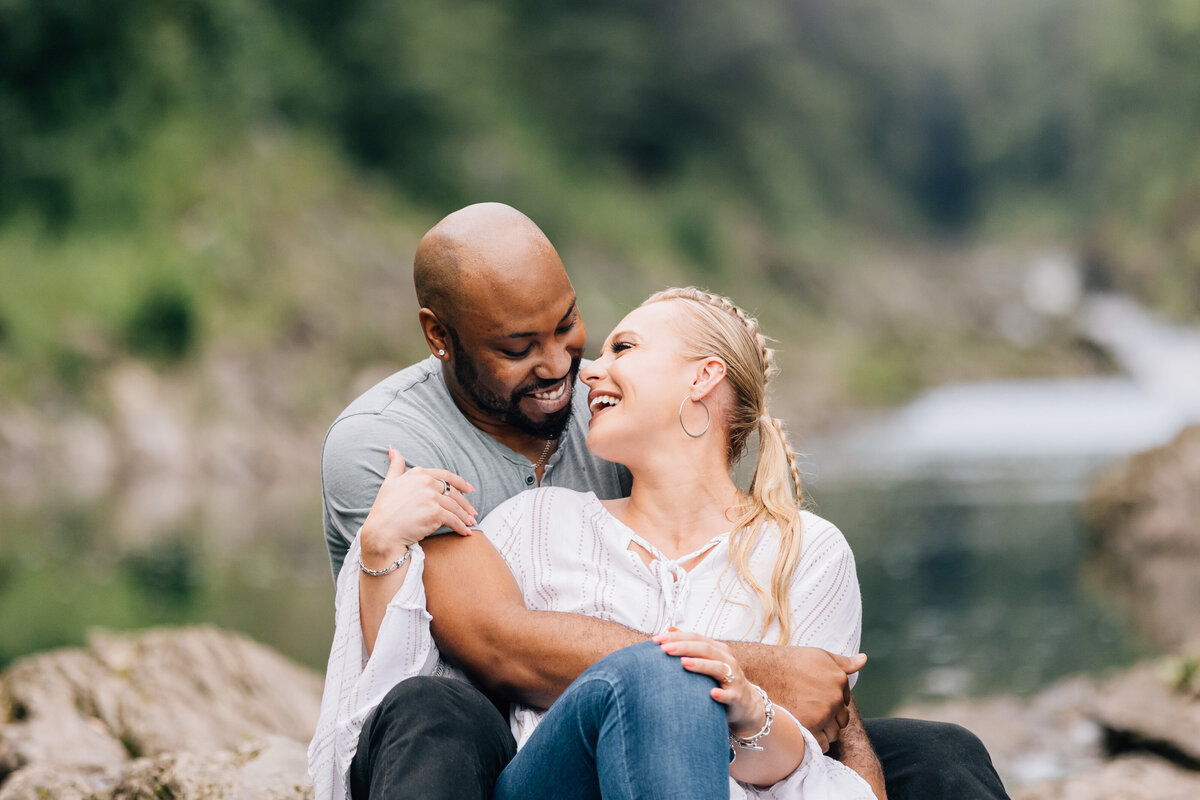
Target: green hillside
[{"x": 201, "y": 176}]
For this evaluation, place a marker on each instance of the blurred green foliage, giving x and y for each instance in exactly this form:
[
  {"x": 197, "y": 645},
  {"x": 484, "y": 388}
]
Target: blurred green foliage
[
  {"x": 666, "y": 132},
  {"x": 162, "y": 326},
  {"x": 66, "y": 568}
]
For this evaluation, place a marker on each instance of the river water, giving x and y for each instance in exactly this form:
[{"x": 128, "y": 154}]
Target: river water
[
  {"x": 969, "y": 593},
  {"x": 962, "y": 509}
]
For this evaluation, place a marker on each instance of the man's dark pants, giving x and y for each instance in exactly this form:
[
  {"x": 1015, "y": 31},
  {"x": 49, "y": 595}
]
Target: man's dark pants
[{"x": 440, "y": 738}]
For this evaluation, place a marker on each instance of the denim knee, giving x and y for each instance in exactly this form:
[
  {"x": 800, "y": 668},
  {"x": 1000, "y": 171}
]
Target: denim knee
[{"x": 644, "y": 672}]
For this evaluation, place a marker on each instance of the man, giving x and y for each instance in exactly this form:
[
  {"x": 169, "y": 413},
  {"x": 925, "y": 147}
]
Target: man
[{"x": 495, "y": 408}]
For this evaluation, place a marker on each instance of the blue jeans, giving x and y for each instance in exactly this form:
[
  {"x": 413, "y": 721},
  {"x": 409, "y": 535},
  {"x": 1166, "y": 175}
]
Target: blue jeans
[{"x": 636, "y": 724}]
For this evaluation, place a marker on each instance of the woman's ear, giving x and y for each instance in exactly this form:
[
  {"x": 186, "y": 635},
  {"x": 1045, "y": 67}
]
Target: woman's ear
[{"x": 708, "y": 376}]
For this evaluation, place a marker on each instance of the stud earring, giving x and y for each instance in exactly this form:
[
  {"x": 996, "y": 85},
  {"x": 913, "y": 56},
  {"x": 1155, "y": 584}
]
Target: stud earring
[{"x": 441, "y": 353}]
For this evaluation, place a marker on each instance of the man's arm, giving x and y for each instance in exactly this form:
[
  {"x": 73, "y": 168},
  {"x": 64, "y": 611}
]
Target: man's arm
[
  {"x": 480, "y": 622},
  {"x": 813, "y": 684},
  {"x": 854, "y": 750},
  {"x": 354, "y": 461}
]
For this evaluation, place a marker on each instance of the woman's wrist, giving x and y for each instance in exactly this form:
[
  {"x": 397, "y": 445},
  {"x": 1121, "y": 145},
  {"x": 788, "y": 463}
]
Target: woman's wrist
[
  {"x": 395, "y": 565},
  {"x": 748, "y": 735},
  {"x": 376, "y": 556},
  {"x": 377, "y": 549}
]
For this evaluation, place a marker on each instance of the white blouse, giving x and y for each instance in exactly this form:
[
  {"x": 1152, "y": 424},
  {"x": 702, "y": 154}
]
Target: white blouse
[{"x": 569, "y": 554}]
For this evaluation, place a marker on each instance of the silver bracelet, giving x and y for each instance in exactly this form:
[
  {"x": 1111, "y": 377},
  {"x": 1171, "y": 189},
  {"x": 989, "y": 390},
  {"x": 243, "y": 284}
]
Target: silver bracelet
[
  {"x": 388, "y": 570},
  {"x": 751, "y": 742}
]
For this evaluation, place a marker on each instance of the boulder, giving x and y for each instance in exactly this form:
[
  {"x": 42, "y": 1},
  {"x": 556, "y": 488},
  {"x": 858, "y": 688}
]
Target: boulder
[
  {"x": 1155, "y": 708},
  {"x": 1143, "y": 515},
  {"x": 1134, "y": 777},
  {"x": 1049, "y": 736},
  {"x": 188, "y": 708},
  {"x": 271, "y": 769},
  {"x": 1130, "y": 736}
]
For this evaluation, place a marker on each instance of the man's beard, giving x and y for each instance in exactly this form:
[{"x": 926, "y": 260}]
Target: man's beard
[{"x": 508, "y": 410}]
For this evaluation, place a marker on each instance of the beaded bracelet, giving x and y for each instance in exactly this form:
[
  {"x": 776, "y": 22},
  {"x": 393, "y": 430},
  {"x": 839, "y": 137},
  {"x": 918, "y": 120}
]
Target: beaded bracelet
[
  {"x": 751, "y": 742},
  {"x": 386, "y": 571}
]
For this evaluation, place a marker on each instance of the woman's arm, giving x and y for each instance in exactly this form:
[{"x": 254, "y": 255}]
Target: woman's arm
[
  {"x": 355, "y": 680},
  {"x": 411, "y": 504}
]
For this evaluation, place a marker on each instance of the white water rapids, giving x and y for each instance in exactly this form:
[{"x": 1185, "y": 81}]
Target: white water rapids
[{"x": 1051, "y": 434}]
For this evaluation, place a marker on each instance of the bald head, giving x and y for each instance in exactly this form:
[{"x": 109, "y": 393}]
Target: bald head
[
  {"x": 477, "y": 251},
  {"x": 499, "y": 312}
]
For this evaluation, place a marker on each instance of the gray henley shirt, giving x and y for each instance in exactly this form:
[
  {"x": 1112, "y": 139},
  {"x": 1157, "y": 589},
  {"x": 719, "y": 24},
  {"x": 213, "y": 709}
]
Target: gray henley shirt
[{"x": 412, "y": 411}]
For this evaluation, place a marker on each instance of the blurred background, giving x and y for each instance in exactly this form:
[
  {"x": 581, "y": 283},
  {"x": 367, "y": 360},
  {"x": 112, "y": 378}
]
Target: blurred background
[{"x": 972, "y": 228}]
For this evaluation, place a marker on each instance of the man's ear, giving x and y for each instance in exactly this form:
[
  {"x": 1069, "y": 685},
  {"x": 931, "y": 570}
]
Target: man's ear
[
  {"x": 437, "y": 335},
  {"x": 709, "y": 375}
]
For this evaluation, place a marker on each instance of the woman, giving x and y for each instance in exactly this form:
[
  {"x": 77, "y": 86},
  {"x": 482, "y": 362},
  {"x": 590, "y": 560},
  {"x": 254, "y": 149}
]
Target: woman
[{"x": 675, "y": 396}]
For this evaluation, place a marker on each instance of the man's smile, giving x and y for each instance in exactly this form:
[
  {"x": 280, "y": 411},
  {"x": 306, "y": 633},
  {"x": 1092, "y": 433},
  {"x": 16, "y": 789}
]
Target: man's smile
[{"x": 552, "y": 399}]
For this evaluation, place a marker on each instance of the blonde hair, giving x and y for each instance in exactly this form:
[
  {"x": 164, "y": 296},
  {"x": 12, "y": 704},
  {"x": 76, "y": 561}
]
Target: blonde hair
[{"x": 715, "y": 327}]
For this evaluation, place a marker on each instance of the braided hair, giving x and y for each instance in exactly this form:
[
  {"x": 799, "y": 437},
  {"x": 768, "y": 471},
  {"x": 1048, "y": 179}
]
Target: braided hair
[{"x": 715, "y": 326}]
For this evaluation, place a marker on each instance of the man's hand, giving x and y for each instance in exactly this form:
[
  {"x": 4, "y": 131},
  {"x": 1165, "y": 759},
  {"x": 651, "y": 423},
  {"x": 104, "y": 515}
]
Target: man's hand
[{"x": 810, "y": 682}]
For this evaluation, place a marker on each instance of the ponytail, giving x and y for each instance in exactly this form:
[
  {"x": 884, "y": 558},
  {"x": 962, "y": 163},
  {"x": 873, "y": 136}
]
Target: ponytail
[{"x": 774, "y": 496}]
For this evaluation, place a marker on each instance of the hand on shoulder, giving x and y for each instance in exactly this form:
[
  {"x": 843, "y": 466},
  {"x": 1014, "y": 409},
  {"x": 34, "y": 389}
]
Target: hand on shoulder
[{"x": 412, "y": 504}]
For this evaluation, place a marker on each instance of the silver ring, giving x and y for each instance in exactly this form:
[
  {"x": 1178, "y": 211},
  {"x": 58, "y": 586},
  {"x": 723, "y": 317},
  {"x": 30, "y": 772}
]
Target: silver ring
[
  {"x": 445, "y": 486},
  {"x": 728, "y": 674}
]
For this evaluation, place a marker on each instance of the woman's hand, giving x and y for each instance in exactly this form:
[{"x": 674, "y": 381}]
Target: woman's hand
[
  {"x": 744, "y": 705},
  {"x": 411, "y": 504},
  {"x": 777, "y": 755}
]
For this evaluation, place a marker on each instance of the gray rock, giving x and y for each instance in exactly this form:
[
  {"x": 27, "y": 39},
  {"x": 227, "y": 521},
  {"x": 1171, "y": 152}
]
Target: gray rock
[
  {"x": 55, "y": 783},
  {"x": 1132, "y": 736},
  {"x": 1045, "y": 737},
  {"x": 1135, "y": 777},
  {"x": 1143, "y": 514},
  {"x": 269, "y": 769},
  {"x": 1147, "y": 708},
  {"x": 204, "y": 712},
  {"x": 273, "y": 769}
]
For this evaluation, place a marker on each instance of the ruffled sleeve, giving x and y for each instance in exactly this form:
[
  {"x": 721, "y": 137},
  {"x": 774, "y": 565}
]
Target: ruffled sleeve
[
  {"x": 354, "y": 683},
  {"x": 826, "y": 613}
]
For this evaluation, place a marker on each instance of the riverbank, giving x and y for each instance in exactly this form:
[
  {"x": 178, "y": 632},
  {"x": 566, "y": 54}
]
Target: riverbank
[
  {"x": 204, "y": 714},
  {"x": 1132, "y": 736}
]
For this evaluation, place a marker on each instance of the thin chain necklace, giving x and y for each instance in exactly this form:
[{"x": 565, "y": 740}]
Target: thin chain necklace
[{"x": 545, "y": 455}]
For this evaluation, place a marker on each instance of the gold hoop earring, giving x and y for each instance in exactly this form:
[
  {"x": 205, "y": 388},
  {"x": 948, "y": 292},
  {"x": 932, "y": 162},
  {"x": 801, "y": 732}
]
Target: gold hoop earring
[{"x": 707, "y": 421}]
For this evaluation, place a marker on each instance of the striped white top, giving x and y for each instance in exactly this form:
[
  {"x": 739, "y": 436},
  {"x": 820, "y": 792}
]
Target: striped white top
[{"x": 570, "y": 554}]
